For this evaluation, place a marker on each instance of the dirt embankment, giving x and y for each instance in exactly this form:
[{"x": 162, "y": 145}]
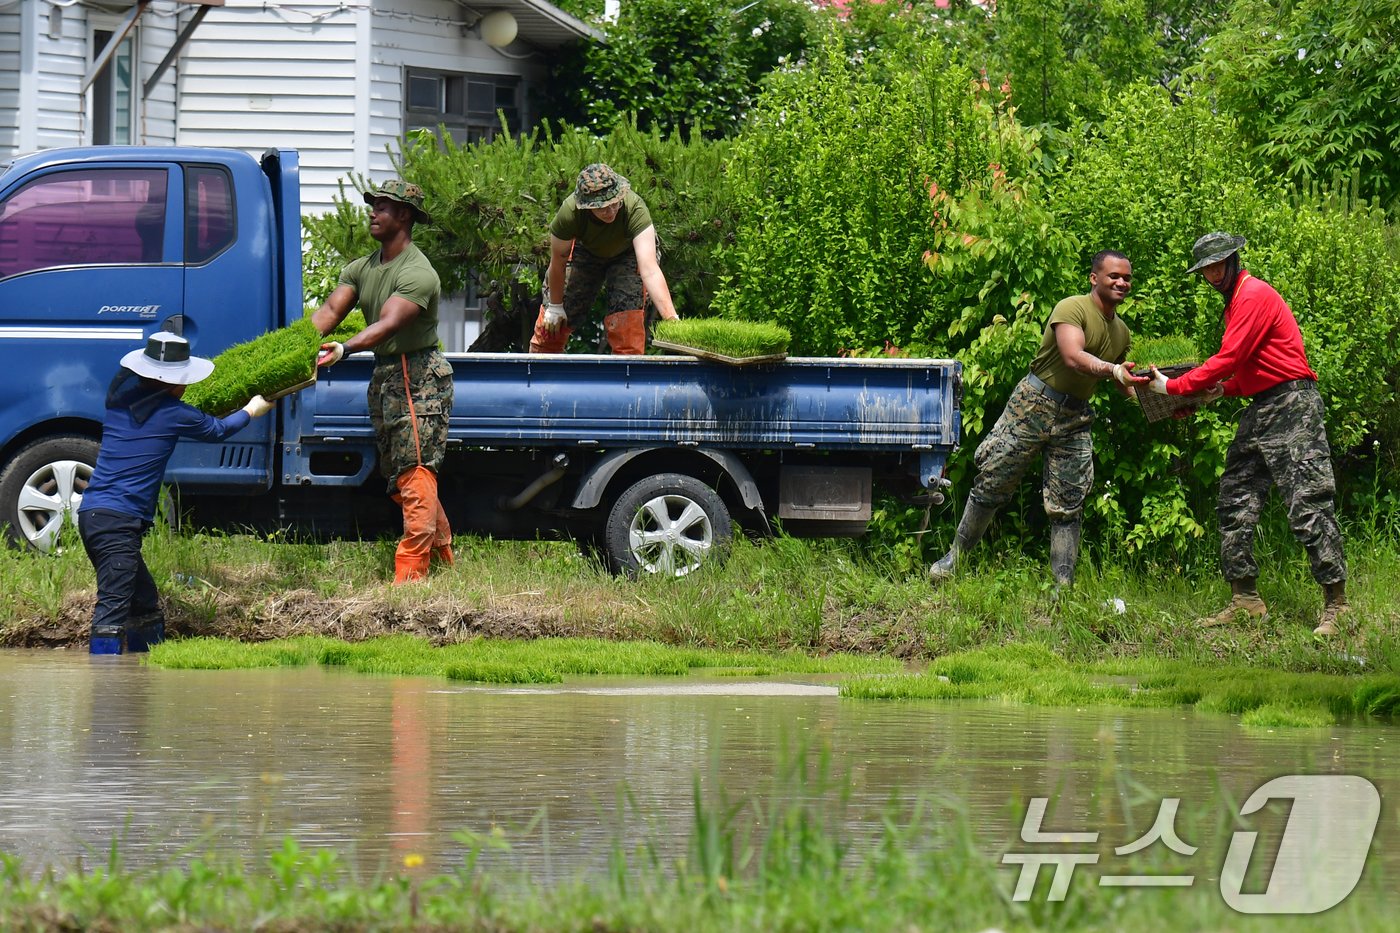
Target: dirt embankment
[{"x": 440, "y": 618}]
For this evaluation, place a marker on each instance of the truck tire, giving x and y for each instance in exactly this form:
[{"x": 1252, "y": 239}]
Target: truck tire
[
  {"x": 42, "y": 487},
  {"x": 668, "y": 524}
]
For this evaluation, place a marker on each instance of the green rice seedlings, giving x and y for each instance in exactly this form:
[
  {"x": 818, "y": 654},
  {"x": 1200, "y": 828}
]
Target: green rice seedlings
[
  {"x": 265, "y": 365},
  {"x": 1174, "y": 356},
  {"x": 729, "y": 338},
  {"x": 1171, "y": 350}
]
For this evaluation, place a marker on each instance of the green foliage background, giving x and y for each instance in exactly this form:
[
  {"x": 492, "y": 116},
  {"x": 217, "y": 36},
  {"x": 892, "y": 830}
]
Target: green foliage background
[{"x": 904, "y": 186}]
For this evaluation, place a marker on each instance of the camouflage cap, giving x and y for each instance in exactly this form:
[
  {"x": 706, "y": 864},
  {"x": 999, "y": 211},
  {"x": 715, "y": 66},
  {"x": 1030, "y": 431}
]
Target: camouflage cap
[
  {"x": 1212, "y": 248},
  {"x": 598, "y": 186},
  {"x": 396, "y": 189}
]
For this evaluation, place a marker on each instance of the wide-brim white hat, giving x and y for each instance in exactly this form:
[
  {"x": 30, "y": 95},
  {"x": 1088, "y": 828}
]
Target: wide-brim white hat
[{"x": 166, "y": 358}]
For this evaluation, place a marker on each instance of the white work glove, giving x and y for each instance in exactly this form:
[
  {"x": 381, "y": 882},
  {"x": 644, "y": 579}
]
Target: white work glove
[
  {"x": 258, "y": 406},
  {"x": 554, "y": 317},
  {"x": 330, "y": 353},
  {"x": 1123, "y": 374},
  {"x": 1159, "y": 382}
]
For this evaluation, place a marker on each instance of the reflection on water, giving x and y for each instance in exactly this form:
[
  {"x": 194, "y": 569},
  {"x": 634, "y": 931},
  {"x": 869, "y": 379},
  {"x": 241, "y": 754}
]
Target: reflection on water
[{"x": 93, "y": 749}]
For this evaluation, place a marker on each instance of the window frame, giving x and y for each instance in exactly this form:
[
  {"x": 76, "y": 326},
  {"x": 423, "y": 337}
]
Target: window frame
[
  {"x": 104, "y": 90},
  {"x": 454, "y": 102}
]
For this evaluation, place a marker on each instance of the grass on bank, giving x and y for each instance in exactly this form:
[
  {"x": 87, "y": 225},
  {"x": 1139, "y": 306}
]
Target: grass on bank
[
  {"x": 814, "y": 597},
  {"x": 537, "y": 661}
]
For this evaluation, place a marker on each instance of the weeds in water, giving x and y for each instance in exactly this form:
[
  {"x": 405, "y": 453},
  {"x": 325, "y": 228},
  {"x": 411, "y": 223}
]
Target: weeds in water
[{"x": 790, "y": 859}]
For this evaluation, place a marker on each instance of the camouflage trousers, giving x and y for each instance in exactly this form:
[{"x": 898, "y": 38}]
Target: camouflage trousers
[
  {"x": 1033, "y": 423},
  {"x": 410, "y": 401},
  {"x": 1281, "y": 441},
  {"x": 585, "y": 276}
]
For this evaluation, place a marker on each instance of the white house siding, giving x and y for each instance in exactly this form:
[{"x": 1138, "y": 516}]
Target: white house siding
[
  {"x": 255, "y": 77},
  {"x": 9, "y": 81},
  {"x": 48, "y": 107},
  {"x": 159, "y": 28}
]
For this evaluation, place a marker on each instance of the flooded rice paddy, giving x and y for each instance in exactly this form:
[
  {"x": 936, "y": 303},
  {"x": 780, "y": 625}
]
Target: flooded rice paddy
[{"x": 171, "y": 763}]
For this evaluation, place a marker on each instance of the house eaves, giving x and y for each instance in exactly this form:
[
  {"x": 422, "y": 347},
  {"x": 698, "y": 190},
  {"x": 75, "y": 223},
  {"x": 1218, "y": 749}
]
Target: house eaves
[{"x": 542, "y": 24}]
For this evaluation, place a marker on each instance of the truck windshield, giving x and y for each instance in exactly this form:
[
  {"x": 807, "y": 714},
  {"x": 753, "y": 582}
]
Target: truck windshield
[{"x": 85, "y": 216}]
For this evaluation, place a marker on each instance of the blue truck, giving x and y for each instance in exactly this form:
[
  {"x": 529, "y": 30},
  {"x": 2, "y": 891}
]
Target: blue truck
[{"x": 656, "y": 460}]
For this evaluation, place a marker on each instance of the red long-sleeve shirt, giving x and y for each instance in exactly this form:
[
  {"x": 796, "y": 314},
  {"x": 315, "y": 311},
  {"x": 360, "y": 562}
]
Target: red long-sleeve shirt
[{"x": 1262, "y": 345}]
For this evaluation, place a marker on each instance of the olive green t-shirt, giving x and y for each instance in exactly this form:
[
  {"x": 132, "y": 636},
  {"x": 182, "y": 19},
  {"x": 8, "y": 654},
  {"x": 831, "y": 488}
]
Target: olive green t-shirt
[
  {"x": 408, "y": 275},
  {"x": 1106, "y": 338},
  {"x": 602, "y": 240}
]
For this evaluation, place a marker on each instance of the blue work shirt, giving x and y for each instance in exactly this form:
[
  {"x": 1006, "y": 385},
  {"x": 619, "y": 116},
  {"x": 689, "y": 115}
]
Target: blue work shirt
[{"x": 139, "y": 433}]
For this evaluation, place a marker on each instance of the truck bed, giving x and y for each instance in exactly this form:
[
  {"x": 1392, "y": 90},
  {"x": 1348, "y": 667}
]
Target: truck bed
[{"x": 517, "y": 399}]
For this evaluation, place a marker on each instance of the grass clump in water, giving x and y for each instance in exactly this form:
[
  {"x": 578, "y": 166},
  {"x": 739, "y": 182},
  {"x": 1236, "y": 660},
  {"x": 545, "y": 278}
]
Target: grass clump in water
[
  {"x": 266, "y": 364},
  {"x": 543, "y": 660},
  {"x": 1029, "y": 673},
  {"x": 1281, "y": 716},
  {"x": 726, "y": 337}
]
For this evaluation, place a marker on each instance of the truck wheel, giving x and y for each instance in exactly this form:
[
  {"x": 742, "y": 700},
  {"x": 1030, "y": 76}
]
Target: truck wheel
[
  {"x": 42, "y": 487},
  {"x": 668, "y": 524}
]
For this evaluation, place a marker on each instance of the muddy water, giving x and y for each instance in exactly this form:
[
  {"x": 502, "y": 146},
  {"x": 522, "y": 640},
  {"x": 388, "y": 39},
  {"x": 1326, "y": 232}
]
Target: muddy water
[{"x": 168, "y": 762}]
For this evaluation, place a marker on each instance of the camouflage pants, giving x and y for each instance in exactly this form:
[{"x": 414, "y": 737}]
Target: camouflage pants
[
  {"x": 1031, "y": 424},
  {"x": 1281, "y": 442},
  {"x": 410, "y": 401},
  {"x": 586, "y": 275}
]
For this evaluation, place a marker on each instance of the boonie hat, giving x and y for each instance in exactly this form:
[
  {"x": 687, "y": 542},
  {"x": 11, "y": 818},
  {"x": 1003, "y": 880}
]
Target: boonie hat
[
  {"x": 599, "y": 186},
  {"x": 166, "y": 358},
  {"x": 1212, "y": 248},
  {"x": 396, "y": 189}
]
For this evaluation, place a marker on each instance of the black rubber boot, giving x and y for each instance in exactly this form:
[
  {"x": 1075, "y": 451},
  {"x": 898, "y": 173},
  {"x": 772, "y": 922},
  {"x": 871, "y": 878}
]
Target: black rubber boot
[
  {"x": 975, "y": 519},
  {"x": 1064, "y": 552}
]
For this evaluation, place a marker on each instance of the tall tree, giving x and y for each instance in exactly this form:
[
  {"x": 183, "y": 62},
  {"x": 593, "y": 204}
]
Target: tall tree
[{"x": 1316, "y": 86}]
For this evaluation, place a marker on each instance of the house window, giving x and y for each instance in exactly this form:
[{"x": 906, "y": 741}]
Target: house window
[
  {"x": 84, "y": 217},
  {"x": 114, "y": 91},
  {"x": 466, "y": 104}
]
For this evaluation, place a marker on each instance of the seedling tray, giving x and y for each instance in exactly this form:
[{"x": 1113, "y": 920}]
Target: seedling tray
[
  {"x": 719, "y": 357},
  {"x": 1158, "y": 407}
]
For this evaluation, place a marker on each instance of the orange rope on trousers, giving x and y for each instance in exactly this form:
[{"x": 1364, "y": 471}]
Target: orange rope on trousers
[{"x": 426, "y": 532}]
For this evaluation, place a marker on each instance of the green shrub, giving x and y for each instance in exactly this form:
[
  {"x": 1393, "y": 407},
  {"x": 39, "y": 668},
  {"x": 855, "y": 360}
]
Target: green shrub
[
  {"x": 833, "y": 171},
  {"x": 492, "y": 203}
]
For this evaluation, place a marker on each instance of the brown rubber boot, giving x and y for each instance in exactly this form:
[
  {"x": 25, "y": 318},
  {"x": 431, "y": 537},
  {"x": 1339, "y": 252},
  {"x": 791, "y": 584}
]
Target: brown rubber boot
[
  {"x": 1245, "y": 606},
  {"x": 1334, "y": 606}
]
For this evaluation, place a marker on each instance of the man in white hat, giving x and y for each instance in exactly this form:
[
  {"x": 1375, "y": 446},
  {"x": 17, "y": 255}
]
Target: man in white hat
[
  {"x": 144, "y": 420},
  {"x": 602, "y": 235}
]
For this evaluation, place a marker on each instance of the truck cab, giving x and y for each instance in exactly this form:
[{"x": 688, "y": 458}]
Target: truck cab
[{"x": 101, "y": 246}]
